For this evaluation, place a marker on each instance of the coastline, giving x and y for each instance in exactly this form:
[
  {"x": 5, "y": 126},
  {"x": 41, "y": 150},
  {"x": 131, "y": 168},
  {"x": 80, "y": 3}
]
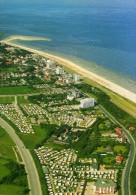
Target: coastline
[{"x": 81, "y": 71}]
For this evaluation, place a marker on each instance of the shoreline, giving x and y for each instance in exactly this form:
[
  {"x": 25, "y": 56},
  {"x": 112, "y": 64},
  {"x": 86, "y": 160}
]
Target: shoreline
[{"x": 81, "y": 71}]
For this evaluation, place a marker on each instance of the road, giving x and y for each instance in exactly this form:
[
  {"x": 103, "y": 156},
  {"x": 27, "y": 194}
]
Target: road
[
  {"x": 125, "y": 182},
  {"x": 32, "y": 174},
  {"x": 20, "y": 95}
]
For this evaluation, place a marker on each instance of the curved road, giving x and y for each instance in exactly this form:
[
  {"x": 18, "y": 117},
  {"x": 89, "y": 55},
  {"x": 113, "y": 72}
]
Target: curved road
[
  {"x": 33, "y": 178},
  {"x": 125, "y": 182}
]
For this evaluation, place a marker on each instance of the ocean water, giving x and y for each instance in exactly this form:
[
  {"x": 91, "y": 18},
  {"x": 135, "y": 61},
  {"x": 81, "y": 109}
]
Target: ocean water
[{"x": 98, "y": 35}]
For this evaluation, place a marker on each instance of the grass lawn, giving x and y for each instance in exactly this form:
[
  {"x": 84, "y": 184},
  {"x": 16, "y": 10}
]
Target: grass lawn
[
  {"x": 3, "y": 161},
  {"x": 22, "y": 100},
  {"x": 6, "y": 145},
  {"x": 124, "y": 104},
  {"x": 7, "y": 100},
  {"x": 31, "y": 140},
  {"x": 9, "y": 70},
  {"x": 101, "y": 126},
  {"x": 11, "y": 190},
  {"x": 3, "y": 171},
  {"x": 100, "y": 149},
  {"x": 13, "y": 90},
  {"x": 109, "y": 159},
  {"x": 55, "y": 146},
  {"x": 120, "y": 148}
]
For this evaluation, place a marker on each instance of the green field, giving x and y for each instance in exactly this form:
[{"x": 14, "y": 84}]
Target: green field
[
  {"x": 11, "y": 185},
  {"x": 55, "y": 146},
  {"x": 120, "y": 149},
  {"x": 11, "y": 190},
  {"x": 9, "y": 70},
  {"x": 3, "y": 171},
  {"x": 6, "y": 144},
  {"x": 22, "y": 100},
  {"x": 17, "y": 90},
  {"x": 31, "y": 140},
  {"x": 7, "y": 100},
  {"x": 109, "y": 159},
  {"x": 100, "y": 149}
]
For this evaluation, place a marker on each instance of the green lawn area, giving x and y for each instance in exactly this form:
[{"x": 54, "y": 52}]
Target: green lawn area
[
  {"x": 120, "y": 148},
  {"x": 108, "y": 159},
  {"x": 7, "y": 100},
  {"x": 9, "y": 70},
  {"x": 100, "y": 149},
  {"x": 101, "y": 126},
  {"x": 31, "y": 140},
  {"x": 11, "y": 190},
  {"x": 22, "y": 100},
  {"x": 6, "y": 145},
  {"x": 3, "y": 171},
  {"x": 13, "y": 90},
  {"x": 126, "y": 105},
  {"x": 55, "y": 146}
]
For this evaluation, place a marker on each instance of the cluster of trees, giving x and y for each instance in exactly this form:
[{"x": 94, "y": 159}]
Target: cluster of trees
[
  {"x": 62, "y": 129},
  {"x": 33, "y": 80},
  {"x": 53, "y": 97},
  {"x": 50, "y": 129},
  {"x": 17, "y": 176},
  {"x": 47, "y": 99},
  {"x": 89, "y": 141}
]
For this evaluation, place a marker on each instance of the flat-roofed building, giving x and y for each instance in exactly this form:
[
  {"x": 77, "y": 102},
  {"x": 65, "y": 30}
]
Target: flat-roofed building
[
  {"x": 87, "y": 102},
  {"x": 50, "y": 64},
  {"x": 104, "y": 186},
  {"x": 76, "y": 77},
  {"x": 59, "y": 70}
]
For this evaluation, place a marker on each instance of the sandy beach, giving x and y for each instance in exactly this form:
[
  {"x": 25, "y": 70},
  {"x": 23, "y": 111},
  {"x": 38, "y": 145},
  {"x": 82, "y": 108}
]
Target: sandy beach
[{"x": 83, "y": 72}]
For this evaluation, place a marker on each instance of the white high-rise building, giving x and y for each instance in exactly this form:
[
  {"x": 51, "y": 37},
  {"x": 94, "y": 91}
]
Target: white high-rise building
[
  {"x": 77, "y": 78},
  {"x": 51, "y": 64},
  {"x": 87, "y": 102},
  {"x": 59, "y": 70}
]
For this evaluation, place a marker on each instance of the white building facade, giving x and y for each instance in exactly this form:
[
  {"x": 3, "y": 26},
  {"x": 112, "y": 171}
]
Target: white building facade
[
  {"x": 86, "y": 103},
  {"x": 51, "y": 64},
  {"x": 59, "y": 70}
]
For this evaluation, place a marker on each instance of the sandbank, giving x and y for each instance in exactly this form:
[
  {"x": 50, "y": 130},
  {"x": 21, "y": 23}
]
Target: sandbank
[{"x": 25, "y": 38}]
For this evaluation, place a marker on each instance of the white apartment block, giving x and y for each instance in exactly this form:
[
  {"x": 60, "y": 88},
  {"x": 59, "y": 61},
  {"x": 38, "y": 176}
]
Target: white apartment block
[
  {"x": 87, "y": 102},
  {"x": 51, "y": 64},
  {"x": 59, "y": 70}
]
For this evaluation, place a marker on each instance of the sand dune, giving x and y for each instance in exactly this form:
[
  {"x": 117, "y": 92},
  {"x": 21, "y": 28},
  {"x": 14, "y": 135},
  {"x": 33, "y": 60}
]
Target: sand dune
[{"x": 85, "y": 73}]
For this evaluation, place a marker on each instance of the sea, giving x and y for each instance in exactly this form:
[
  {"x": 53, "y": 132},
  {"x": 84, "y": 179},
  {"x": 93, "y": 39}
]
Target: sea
[{"x": 99, "y": 35}]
